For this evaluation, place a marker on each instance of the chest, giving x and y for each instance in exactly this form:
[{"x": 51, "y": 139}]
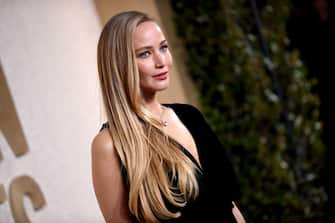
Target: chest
[{"x": 177, "y": 131}]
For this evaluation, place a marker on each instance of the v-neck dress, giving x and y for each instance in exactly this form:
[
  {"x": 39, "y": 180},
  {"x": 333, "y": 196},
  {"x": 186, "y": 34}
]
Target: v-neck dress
[{"x": 218, "y": 184}]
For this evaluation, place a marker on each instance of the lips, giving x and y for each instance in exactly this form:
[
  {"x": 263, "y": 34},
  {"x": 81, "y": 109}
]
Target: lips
[{"x": 161, "y": 76}]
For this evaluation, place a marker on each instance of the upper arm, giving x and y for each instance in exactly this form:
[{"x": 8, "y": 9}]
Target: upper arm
[{"x": 107, "y": 180}]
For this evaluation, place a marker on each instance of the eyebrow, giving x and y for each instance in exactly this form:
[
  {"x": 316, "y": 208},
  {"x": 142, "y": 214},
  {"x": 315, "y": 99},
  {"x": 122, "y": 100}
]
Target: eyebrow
[{"x": 149, "y": 47}]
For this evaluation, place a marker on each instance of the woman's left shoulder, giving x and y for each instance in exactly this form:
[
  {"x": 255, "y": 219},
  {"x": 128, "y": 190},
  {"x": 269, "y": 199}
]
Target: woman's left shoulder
[
  {"x": 187, "y": 112},
  {"x": 184, "y": 107}
]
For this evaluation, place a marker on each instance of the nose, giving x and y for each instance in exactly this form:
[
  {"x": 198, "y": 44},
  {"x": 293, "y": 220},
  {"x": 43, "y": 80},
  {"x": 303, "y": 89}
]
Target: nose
[{"x": 159, "y": 60}]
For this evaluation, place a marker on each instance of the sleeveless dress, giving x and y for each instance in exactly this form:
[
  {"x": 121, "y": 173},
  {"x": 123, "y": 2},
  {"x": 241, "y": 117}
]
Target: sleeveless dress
[{"x": 218, "y": 185}]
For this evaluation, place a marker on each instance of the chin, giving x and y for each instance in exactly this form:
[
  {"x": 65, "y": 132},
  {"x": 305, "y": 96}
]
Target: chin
[
  {"x": 162, "y": 85},
  {"x": 156, "y": 89},
  {"x": 160, "y": 88},
  {"x": 163, "y": 88},
  {"x": 156, "y": 86}
]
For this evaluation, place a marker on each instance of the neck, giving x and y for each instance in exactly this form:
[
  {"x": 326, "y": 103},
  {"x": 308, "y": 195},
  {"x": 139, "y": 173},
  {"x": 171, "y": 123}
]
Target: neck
[{"x": 152, "y": 104}]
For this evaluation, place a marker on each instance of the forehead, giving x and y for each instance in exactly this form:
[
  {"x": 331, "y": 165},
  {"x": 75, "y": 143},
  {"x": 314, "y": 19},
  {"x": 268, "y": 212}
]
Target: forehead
[{"x": 147, "y": 33}]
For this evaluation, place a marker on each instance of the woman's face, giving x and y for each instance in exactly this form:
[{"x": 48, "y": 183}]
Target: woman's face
[{"x": 153, "y": 57}]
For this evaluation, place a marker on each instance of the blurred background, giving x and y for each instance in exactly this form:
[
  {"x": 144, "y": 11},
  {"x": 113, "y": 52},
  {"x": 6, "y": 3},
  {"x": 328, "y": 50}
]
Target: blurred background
[{"x": 258, "y": 69}]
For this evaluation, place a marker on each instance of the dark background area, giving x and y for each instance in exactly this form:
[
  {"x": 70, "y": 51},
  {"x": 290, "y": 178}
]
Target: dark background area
[
  {"x": 311, "y": 29},
  {"x": 265, "y": 87}
]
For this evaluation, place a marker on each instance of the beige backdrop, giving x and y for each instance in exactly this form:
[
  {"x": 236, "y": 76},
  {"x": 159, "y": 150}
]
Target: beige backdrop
[{"x": 50, "y": 107}]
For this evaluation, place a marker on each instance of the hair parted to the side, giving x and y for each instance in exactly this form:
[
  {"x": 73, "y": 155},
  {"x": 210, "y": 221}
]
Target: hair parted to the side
[{"x": 154, "y": 163}]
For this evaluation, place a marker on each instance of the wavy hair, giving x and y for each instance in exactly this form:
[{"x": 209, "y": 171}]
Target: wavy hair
[{"x": 158, "y": 171}]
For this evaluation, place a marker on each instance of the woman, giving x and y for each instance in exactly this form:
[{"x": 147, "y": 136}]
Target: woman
[{"x": 153, "y": 162}]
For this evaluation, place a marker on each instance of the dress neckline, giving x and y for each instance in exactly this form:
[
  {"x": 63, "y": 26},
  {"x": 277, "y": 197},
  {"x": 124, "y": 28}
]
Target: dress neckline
[{"x": 183, "y": 149}]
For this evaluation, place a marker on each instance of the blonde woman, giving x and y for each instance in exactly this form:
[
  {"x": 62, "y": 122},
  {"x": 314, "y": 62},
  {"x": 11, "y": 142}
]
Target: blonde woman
[{"x": 153, "y": 162}]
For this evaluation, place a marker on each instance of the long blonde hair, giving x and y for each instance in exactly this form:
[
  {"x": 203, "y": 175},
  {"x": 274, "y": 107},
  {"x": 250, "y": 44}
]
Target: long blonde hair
[{"x": 157, "y": 170}]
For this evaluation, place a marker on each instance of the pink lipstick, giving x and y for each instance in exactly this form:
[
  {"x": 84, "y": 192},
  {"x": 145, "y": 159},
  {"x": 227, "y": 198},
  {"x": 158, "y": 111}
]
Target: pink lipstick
[{"x": 161, "y": 76}]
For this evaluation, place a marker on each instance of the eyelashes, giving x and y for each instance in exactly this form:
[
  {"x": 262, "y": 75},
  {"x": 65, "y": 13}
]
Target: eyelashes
[
  {"x": 164, "y": 47},
  {"x": 147, "y": 53},
  {"x": 144, "y": 54}
]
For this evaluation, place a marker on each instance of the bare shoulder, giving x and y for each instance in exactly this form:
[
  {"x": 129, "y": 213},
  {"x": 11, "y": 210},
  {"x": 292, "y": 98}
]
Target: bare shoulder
[
  {"x": 107, "y": 179},
  {"x": 102, "y": 144}
]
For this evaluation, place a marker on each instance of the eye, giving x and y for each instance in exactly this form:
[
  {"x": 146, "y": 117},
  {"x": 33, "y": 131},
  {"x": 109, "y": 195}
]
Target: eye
[
  {"x": 144, "y": 54},
  {"x": 164, "y": 48}
]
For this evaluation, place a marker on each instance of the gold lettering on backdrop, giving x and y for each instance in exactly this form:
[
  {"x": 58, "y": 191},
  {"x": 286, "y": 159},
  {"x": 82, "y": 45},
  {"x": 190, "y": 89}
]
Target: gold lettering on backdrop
[
  {"x": 2, "y": 194},
  {"x": 9, "y": 121},
  {"x": 11, "y": 130},
  {"x": 20, "y": 186}
]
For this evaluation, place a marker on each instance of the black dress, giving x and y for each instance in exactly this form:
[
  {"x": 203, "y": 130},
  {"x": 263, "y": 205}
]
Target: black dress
[{"x": 218, "y": 185}]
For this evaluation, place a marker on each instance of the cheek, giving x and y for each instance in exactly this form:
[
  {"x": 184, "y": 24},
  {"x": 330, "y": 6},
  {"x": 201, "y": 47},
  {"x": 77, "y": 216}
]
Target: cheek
[
  {"x": 144, "y": 72},
  {"x": 144, "y": 69}
]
